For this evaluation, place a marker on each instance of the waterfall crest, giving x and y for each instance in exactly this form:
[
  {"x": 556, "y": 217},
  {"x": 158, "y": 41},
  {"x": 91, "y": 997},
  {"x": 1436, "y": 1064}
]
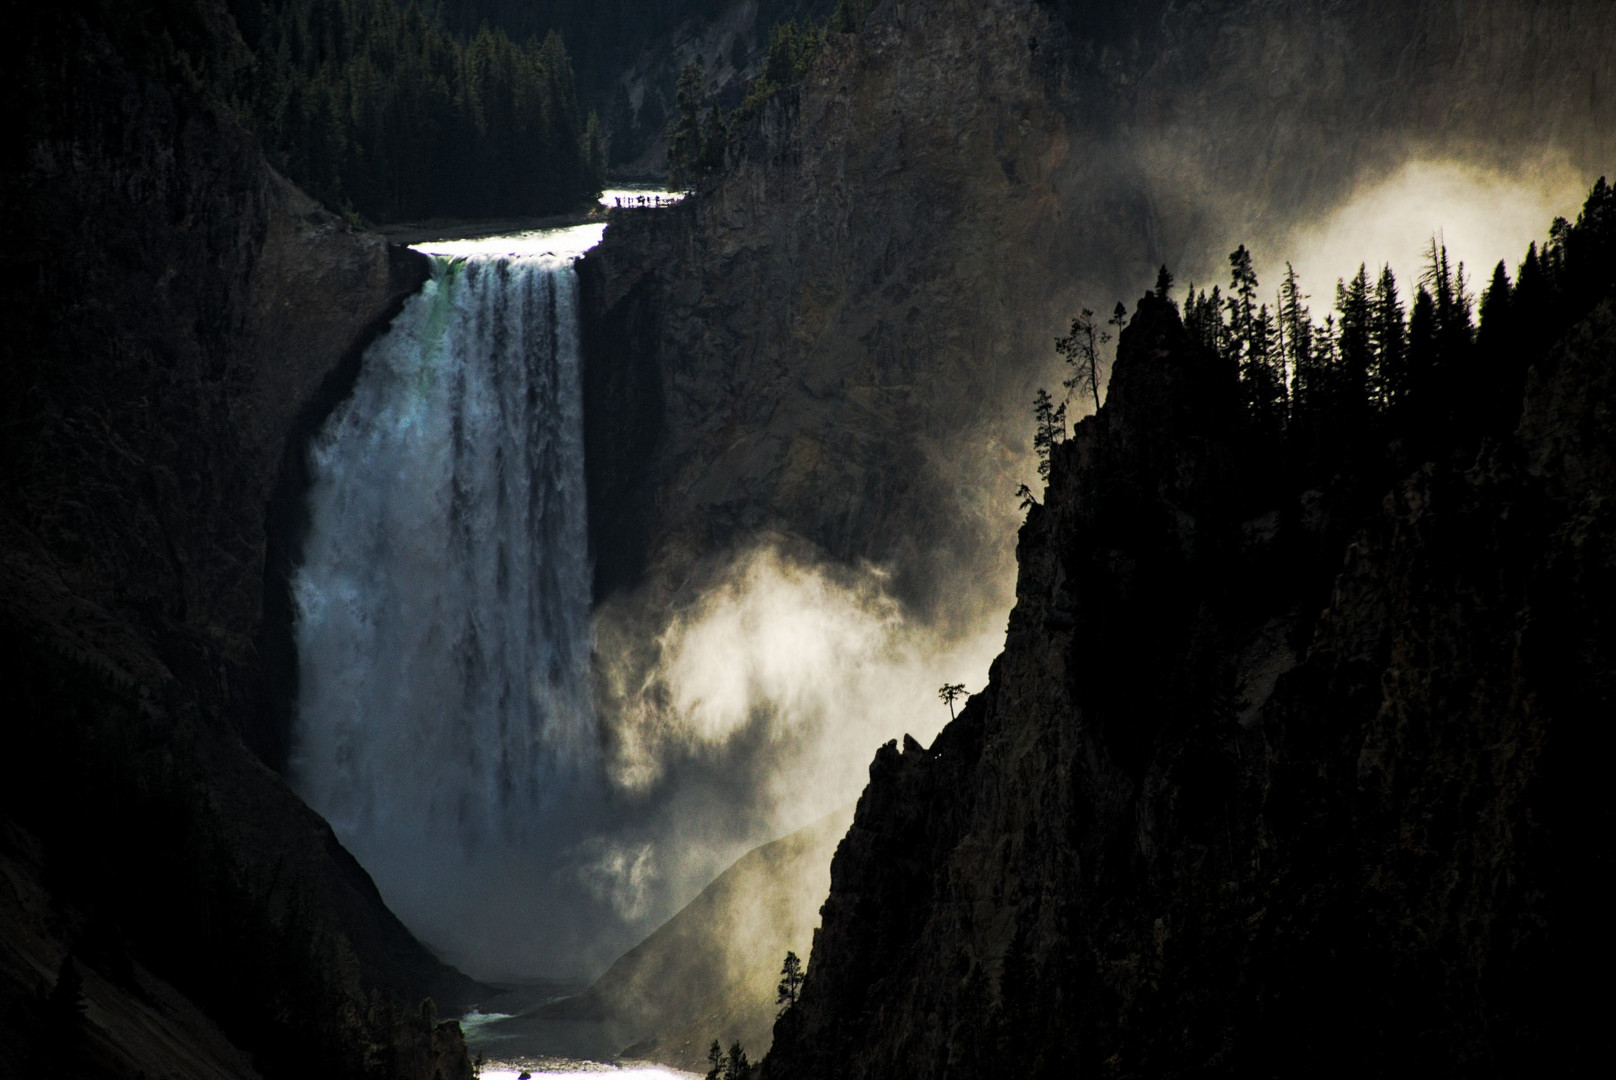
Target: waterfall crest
[{"x": 443, "y": 604}]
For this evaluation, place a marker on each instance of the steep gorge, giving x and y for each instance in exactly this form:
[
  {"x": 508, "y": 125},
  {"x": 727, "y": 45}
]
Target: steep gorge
[{"x": 832, "y": 346}]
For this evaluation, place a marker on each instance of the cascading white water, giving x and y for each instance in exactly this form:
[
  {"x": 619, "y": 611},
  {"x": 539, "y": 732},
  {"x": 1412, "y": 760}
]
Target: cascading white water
[
  {"x": 443, "y": 628},
  {"x": 442, "y": 607}
]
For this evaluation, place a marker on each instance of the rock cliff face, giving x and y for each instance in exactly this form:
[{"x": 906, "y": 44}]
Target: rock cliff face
[
  {"x": 837, "y": 340},
  {"x": 1232, "y": 804},
  {"x": 177, "y": 314},
  {"x": 839, "y": 337}
]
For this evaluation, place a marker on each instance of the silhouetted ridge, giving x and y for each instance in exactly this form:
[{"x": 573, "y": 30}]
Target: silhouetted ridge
[{"x": 1257, "y": 786}]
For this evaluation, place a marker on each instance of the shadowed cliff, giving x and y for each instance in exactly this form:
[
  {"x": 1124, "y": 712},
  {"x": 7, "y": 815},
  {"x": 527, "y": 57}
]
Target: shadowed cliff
[
  {"x": 177, "y": 313},
  {"x": 1259, "y": 785}
]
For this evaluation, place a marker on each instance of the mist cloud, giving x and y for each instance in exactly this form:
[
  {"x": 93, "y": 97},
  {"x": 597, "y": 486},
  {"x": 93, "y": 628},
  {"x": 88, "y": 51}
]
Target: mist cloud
[
  {"x": 1482, "y": 213},
  {"x": 751, "y": 704},
  {"x": 618, "y": 874},
  {"x": 791, "y": 671}
]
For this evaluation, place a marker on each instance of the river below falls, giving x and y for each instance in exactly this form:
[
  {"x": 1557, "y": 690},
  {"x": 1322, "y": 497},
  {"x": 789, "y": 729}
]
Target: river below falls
[{"x": 519, "y": 1041}]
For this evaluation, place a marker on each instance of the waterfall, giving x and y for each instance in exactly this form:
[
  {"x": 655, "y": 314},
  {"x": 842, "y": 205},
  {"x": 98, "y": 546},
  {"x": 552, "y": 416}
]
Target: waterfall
[{"x": 442, "y": 606}]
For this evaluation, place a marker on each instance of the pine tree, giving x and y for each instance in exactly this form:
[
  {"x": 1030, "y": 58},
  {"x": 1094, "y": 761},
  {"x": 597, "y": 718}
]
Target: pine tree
[
  {"x": 1452, "y": 305},
  {"x": 1421, "y": 388},
  {"x": 1295, "y": 334},
  {"x": 1591, "y": 248},
  {"x": 1049, "y": 429},
  {"x": 1242, "y": 302},
  {"x": 1080, "y": 350},
  {"x": 1389, "y": 342},
  {"x": 1260, "y": 383},
  {"x": 714, "y": 140},
  {"x": 1164, "y": 283},
  {"x": 791, "y": 979},
  {"x": 715, "y": 1061},
  {"x": 736, "y": 1067},
  {"x": 1532, "y": 289},
  {"x": 1500, "y": 368},
  {"x": 1355, "y": 345}
]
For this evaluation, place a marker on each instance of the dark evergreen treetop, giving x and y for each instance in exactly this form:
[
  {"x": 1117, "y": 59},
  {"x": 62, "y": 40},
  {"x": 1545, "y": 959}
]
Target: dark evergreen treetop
[
  {"x": 1373, "y": 375},
  {"x": 1375, "y": 381}
]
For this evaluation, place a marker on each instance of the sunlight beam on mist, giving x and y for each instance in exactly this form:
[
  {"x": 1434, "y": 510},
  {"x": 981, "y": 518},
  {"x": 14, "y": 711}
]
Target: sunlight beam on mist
[
  {"x": 801, "y": 670},
  {"x": 1483, "y": 215}
]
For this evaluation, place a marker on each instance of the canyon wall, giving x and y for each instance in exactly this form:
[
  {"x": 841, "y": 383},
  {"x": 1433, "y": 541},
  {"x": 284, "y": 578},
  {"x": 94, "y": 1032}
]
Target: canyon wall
[
  {"x": 179, "y": 316},
  {"x": 1254, "y": 789},
  {"x": 833, "y": 346},
  {"x": 838, "y": 338}
]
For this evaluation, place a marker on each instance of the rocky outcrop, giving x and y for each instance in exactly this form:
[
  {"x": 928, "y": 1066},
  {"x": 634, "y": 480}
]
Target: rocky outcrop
[
  {"x": 178, "y": 315},
  {"x": 1211, "y": 818}
]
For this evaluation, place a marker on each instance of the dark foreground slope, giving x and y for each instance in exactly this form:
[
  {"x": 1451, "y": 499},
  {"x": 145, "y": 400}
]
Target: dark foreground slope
[
  {"x": 1251, "y": 791},
  {"x": 175, "y": 316}
]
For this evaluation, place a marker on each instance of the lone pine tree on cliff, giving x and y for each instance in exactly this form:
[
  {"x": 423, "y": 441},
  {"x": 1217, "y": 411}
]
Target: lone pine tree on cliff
[
  {"x": 1050, "y": 430},
  {"x": 1119, "y": 319},
  {"x": 1080, "y": 350},
  {"x": 791, "y": 977},
  {"x": 949, "y": 692}
]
